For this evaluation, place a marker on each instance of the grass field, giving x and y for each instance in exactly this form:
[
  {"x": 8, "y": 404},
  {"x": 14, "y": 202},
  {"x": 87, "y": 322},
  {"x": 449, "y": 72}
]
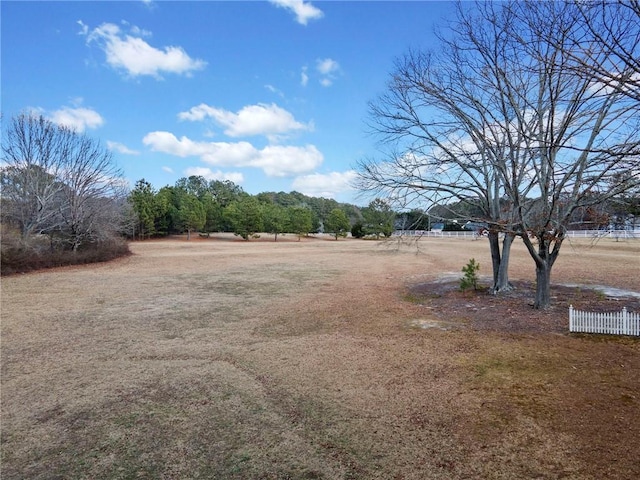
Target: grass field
[{"x": 222, "y": 359}]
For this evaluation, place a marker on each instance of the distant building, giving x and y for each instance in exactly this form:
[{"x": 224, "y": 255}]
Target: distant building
[{"x": 475, "y": 226}]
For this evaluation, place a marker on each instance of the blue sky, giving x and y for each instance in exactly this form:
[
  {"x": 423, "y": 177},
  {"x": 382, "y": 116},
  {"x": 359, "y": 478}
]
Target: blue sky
[{"x": 271, "y": 95}]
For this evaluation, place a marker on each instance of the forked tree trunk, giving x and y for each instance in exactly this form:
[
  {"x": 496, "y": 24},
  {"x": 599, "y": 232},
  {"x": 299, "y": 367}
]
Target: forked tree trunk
[{"x": 544, "y": 258}]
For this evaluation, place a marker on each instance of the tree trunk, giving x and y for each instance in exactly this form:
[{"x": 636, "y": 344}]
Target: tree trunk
[
  {"x": 502, "y": 284},
  {"x": 544, "y": 258},
  {"x": 494, "y": 247},
  {"x": 500, "y": 262},
  {"x": 543, "y": 285}
]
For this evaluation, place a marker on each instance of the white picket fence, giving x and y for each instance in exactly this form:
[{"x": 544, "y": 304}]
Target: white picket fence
[
  {"x": 611, "y": 323},
  {"x": 592, "y": 234}
]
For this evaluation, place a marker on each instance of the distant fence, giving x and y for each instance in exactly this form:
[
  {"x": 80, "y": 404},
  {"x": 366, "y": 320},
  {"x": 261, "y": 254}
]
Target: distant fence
[
  {"x": 593, "y": 234},
  {"x": 616, "y": 234},
  {"x": 611, "y": 323},
  {"x": 435, "y": 233}
]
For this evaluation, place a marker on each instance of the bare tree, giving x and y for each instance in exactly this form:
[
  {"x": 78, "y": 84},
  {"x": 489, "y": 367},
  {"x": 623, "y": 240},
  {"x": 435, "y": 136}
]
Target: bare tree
[
  {"x": 448, "y": 119},
  {"x": 58, "y": 182},
  {"x": 503, "y": 117},
  {"x": 31, "y": 169},
  {"x": 93, "y": 187},
  {"x": 582, "y": 136}
]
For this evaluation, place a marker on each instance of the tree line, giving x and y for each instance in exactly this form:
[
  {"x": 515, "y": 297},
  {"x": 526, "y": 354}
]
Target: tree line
[
  {"x": 64, "y": 201},
  {"x": 195, "y": 204}
]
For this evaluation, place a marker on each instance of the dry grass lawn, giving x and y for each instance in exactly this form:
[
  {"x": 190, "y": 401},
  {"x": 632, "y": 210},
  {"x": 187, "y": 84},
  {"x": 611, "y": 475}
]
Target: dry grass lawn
[{"x": 223, "y": 359}]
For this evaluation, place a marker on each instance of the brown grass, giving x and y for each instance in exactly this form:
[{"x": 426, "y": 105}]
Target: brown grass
[{"x": 224, "y": 359}]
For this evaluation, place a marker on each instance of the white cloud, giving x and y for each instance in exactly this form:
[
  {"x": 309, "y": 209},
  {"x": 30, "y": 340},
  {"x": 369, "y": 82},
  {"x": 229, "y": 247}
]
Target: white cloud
[
  {"x": 84, "y": 29},
  {"x": 280, "y": 161},
  {"x": 304, "y": 77},
  {"x": 327, "y": 66},
  {"x": 133, "y": 55},
  {"x": 274, "y": 160},
  {"x": 273, "y": 89},
  {"x": 260, "y": 119},
  {"x": 198, "y": 113},
  {"x": 325, "y": 185},
  {"x": 208, "y": 174},
  {"x": 78, "y": 118},
  {"x": 303, "y": 11},
  {"x": 76, "y": 101},
  {"x": 138, "y": 31},
  {"x": 167, "y": 169},
  {"x": 328, "y": 69},
  {"x": 121, "y": 148}
]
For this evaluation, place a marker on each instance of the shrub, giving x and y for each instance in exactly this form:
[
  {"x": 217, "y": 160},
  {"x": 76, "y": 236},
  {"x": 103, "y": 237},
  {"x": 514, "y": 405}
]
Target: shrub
[
  {"x": 16, "y": 257},
  {"x": 470, "y": 278}
]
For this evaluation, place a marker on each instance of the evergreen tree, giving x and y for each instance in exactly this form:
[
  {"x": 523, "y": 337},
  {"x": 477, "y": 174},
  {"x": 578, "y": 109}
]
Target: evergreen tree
[
  {"x": 143, "y": 200},
  {"x": 337, "y": 223},
  {"x": 275, "y": 219},
  {"x": 245, "y": 217},
  {"x": 300, "y": 221}
]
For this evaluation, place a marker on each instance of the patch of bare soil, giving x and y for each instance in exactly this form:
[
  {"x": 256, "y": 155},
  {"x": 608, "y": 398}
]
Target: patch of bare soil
[{"x": 513, "y": 312}]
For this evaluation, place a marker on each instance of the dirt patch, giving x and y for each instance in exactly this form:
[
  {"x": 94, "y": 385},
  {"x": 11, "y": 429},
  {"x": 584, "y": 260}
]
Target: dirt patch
[{"x": 513, "y": 312}]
